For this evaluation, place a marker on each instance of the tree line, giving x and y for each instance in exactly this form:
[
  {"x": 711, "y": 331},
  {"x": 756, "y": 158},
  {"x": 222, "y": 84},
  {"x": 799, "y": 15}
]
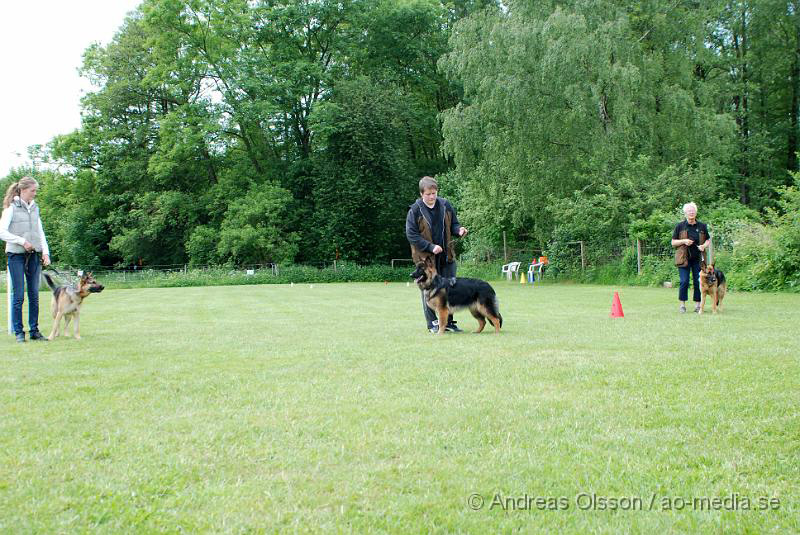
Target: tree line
[{"x": 295, "y": 131}]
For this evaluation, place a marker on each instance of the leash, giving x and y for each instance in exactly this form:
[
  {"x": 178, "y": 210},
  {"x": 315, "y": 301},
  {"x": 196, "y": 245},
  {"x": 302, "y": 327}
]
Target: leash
[
  {"x": 57, "y": 272},
  {"x": 65, "y": 276},
  {"x": 28, "y": 255}
]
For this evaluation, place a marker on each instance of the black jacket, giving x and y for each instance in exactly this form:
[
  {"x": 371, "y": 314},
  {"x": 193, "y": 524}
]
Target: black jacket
[{"x": 419, "y": 229}]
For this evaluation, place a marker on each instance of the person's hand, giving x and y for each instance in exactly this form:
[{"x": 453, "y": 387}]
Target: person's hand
[
  {"x": 45, "y": 260},
  {"x": 28, "y": 246},
  {"x": 437, "y": 249},
  {"x": 701, "y": 247},
  {"x": 462, "y": 231},
  {"x": 687, "y": 241}
]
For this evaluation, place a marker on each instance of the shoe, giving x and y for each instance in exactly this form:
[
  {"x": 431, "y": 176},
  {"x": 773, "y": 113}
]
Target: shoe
[
  {"x": 453, "y": 328},
  {"x": 434, "y": 330},
  {"x": 36, "y": 335},
  {"x": 697, "y": 309},
  {"x": 682, "y": 309},
  {"x": 21, "y": 338}
]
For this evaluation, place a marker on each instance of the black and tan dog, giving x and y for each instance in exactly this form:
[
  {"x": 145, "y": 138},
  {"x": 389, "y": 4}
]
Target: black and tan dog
[
  {"x": 445, "y": 295},
  {"x": 67, "y": 302},
  {"x": 713, "y": 285}
]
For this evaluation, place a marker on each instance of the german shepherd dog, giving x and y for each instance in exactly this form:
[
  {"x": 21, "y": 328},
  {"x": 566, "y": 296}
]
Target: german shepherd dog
[
  {"x": 67, "y": 302},
  {"x": 713, "y": 285},
  {"x": 445, "y": 295}
]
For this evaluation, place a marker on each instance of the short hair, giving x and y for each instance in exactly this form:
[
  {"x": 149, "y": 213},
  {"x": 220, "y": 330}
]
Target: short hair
[
  {"x": 689, "y": 205},
  {"x": 428, "y": 182}
]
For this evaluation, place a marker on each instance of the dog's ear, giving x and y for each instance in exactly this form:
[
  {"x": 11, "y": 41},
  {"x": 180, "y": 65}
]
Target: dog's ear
[{"x": 429, "y": 261}]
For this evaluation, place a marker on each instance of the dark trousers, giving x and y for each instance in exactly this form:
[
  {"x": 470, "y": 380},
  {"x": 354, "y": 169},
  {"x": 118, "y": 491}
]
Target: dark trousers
[
  {"x": 24, "y": 267},
  {"x": 445, "y": 270},
  {"x": 683, "y": 290}
]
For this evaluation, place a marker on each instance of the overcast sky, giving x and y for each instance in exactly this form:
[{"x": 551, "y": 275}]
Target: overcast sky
[{"x": 41, "y": 47}]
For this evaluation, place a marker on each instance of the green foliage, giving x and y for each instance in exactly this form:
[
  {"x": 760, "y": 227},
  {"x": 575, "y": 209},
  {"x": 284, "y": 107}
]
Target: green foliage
[
  {"x": 548, "y": 123},
  {"x": 730, "y": 210},
  {"x": 156, "y": 228},
  {"x": 568, "y": 113},
  {"x": 202, "y": 246},
  {"x": 215, "y": 99},
  {"x": 182, "y": 159},
  {"x": 655, "y": 229},
  {"x": 728, "y": 219},
  {"x": 763, "y": 256},
  {"x": 752, "y": 260},
  {"x": 254, "y": 229},
  {"x": 787, "y": 235},
  {"x": 364, "y": 184}
]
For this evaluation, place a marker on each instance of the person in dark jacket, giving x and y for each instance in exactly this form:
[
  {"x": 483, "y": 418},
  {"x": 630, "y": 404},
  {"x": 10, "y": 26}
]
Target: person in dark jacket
[
  {"x": 690, "y": 239},
  {"x": 431, "y": 224}
]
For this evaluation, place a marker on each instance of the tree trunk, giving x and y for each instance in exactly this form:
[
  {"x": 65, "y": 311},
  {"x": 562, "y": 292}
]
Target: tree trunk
[
  {"x": 794, "y": 80},
  {"x": 742, "y": 109}
]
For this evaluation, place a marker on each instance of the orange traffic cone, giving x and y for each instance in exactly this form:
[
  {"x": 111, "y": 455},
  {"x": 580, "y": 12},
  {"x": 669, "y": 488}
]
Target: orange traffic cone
[{"x": 616, "y": 307}]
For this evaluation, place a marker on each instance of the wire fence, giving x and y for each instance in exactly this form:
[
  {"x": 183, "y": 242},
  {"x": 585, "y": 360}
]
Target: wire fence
[
  {"x": 569, "y": 257},
  {"x": 154, "y": 274}
]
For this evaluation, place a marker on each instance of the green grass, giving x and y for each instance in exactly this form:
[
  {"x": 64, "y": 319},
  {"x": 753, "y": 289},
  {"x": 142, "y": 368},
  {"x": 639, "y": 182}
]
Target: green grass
[{"x": 276, "y": 408}]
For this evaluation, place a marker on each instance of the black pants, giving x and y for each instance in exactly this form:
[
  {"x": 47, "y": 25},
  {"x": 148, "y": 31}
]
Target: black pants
[{"x": 445, "y": 270}]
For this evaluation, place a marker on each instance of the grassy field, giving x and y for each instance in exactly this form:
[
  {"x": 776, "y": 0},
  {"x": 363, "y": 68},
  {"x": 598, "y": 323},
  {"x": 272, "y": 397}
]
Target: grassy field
[{"x": 276, "y": 408}]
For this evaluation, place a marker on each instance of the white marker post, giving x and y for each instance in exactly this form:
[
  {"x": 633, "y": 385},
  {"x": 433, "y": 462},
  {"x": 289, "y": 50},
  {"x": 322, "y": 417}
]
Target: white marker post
[{"x": 10, "y": 298}]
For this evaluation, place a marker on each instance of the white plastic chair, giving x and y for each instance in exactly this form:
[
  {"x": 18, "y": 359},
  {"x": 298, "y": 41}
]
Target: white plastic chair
[
  {"x": 511, "y": 269},
  {"x": 533, "y": 270},
  {"x": 536, "y": 268}
]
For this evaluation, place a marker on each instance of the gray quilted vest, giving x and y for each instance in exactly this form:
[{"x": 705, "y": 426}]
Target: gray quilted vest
[{"x": 25, "y": 224}]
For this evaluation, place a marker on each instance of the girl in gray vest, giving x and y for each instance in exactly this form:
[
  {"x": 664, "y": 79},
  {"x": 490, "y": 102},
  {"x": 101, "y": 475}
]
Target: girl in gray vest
[{"x": 26, "y": 249}]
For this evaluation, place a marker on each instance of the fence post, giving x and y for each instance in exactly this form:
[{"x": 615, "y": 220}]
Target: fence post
[
  {"x": 583, "y": 256},
  {"x": 638, "y": 256}
]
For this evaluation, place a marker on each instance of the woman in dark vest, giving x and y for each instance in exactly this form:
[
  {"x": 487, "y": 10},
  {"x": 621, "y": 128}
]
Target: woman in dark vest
[
  {"x": 26, "y": 249},
  {"x": 690, "y": 239}
]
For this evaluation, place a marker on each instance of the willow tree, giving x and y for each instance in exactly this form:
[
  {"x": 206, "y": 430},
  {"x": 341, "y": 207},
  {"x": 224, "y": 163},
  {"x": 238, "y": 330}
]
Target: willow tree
[{"x": 590, "y": 104}]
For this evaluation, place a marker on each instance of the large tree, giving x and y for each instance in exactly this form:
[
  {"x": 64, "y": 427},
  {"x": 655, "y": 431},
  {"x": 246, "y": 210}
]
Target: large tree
[{"x": 567, "y": 97}]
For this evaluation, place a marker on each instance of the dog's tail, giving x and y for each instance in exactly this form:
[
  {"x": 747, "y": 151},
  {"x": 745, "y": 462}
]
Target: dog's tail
[
  {"x": 50, "y": 282},
  {"x": 720, "y": 281},
  {"x": 496, "y": 304}
]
